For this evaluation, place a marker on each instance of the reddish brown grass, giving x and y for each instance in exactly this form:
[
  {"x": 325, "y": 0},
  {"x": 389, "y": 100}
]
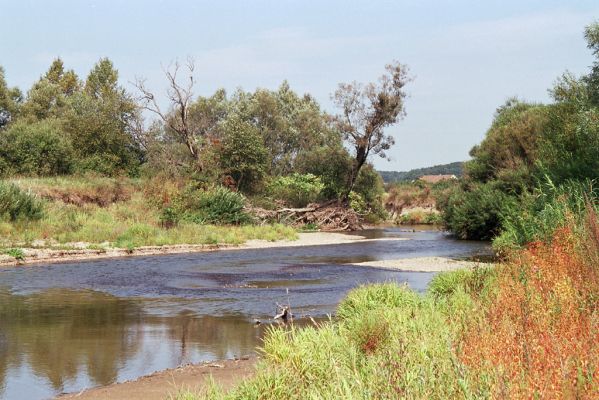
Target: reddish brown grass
[{"x": 540, "y": 337}]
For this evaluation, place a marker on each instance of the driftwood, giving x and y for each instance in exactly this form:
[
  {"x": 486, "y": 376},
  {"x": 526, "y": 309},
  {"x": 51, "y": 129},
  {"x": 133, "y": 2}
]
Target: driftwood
[
  {"x": 284, "y": 313},
  {"x": 330, "y": 216}
]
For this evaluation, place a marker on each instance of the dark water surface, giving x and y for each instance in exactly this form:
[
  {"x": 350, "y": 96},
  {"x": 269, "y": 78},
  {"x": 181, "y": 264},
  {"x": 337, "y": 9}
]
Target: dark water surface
[{"x": 65, "y": 327}]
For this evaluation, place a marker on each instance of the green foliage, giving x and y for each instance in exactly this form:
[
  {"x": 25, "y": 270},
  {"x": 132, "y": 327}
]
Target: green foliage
[
  {"x": 297, "y": 189},
  {"x": 49, "y": 96},
  {"x": 331, "y": 164},
  {"x": 509, "y": 150},
  {"x": 369, "y": 185},
  {"x": 10, "y": 101},
  {"x": 218, "y": 205},
  {"x": 290, "y": 124},
  {"x": 475, "y": 213},
  {"x": 538, "y": 215},
  {"x": 39, "y": 148},
  {"x": 98, "y": 121},
  {"x": 242, "y": 154},
  {"x": 570, "y": 145},
  {"x": 169, "y": 217},
  {"x": 15, "y": 204},
  {"x": 357, "y": 203},
  {"x": 526, "y": 146}
]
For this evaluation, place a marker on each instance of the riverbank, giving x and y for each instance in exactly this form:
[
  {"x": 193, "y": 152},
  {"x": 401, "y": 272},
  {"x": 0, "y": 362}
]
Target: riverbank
[
  {"x": 86, "y": 251},
  {"x": 168, "y": 383}
]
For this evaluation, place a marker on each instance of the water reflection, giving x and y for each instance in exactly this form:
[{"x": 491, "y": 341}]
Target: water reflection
[{"x": 62, "y": 340}]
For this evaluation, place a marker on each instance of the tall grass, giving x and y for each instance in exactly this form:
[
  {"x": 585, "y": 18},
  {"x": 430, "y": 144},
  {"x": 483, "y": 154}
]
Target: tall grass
[{"x": 126, "y": 223}]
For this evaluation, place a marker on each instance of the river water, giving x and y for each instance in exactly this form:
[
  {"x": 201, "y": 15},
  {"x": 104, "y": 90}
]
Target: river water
[{"x": 69, "y": 326}]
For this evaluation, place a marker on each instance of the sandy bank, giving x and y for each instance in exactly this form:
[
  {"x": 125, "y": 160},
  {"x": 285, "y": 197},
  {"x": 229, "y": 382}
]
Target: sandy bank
[
  {"x": 422, "y": 264},
  {"x": 83, "y": 252},
  {"x": 160, "y": 385}
]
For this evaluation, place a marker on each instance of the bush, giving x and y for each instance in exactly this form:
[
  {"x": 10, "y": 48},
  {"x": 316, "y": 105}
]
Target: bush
[
  {"x": 331, "y": 164},
  {"x": 15, "y": 204},
  {"x": 476, "y": 213},
  {"x": 537, "y": 216},
  {"x": 297, "y": 189},
  {"x": 214, "y": 206},
  {"x": 370, "y": 187},
  {"x": 38, "y": 149}
]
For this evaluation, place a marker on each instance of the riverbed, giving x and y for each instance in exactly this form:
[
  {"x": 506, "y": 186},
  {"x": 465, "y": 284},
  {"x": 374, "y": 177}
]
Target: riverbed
[{"x": 69, "y": 326}]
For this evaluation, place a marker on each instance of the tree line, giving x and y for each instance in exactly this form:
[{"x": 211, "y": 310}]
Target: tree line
[{"x": 65, "y": 124}]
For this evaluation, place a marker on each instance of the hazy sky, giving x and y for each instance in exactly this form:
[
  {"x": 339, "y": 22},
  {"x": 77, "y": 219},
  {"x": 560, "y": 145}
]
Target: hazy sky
[{"x": 467, "y": 57}]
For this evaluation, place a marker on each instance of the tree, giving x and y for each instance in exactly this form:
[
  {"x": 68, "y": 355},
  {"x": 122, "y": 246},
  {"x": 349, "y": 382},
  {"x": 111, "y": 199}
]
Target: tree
[
  {"x": 591, "y": 34},
  {"x": 10, "y": 99},
  {"x": 242, "y": 153},
  {"x": 39, "y": 148},
  {"x": 180, "y": 96},
  {"x": 48, "y": 96},
  {"x": 289, "y": 124},
  {"x": 98, "y": 120},
  {"x": 366, "y": 111}
]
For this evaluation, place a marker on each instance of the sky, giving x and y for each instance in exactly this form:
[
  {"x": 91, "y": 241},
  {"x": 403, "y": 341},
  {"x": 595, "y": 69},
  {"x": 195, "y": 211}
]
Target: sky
[{"x": 466, "y": 57}]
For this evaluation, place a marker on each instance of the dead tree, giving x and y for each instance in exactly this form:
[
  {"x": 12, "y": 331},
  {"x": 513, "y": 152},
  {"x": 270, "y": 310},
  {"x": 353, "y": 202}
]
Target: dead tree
[
  {"x": 180, "y": 96},
  {"x": 366, "y": 111}
]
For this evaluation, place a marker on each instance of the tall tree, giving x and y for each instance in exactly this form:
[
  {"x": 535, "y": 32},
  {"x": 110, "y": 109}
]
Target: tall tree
[
  {"x": 10, "y": 100},
  {"x": 367, "y": 109},
  {"x": 99, "y": 120},
  {"x": 591, "y": 34},
  {"x": 290, "y": 124},
  {"x": 177, "y": 117},
  {"x": 48, "y": 96}
]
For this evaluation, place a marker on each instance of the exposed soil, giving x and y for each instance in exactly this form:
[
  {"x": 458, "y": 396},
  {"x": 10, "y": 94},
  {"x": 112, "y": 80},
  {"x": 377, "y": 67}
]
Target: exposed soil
[{"x": 160, "y": 385}]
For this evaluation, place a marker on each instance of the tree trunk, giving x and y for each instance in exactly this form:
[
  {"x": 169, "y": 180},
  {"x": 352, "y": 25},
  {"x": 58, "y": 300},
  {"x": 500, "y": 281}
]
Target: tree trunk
[{"x": 353, "y": 176}]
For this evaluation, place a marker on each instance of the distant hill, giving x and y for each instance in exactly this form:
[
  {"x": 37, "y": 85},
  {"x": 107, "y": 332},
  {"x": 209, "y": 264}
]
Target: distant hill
[{"x": 454, "y": 168}]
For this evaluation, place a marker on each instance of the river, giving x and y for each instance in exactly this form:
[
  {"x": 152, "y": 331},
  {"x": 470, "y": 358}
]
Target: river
[{"x": 69, "y": 326}]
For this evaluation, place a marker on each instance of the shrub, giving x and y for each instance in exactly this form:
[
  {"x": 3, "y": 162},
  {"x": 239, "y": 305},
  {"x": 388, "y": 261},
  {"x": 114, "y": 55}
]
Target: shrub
[
  {"x": 331, "y": 164},
  {"x": 219, "y": 205},
  {"x": 476, "y": 213},
  {"x": 537, "y": 216},
  {"x": 242, "y": 154},
  {"x": 297, "y": 189},
  {"x": 40, "y": 149},
  {"x": 15, "y": 204},
  {"x": 370, "y": 187}
]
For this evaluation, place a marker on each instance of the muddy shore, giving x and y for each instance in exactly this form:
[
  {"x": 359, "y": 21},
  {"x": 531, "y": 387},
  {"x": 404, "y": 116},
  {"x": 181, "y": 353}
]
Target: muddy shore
[{"x": 162, "y": 385}]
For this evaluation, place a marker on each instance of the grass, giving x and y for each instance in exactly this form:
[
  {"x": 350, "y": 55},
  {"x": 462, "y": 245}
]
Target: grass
[
  {"x": 128, "y": 222},
  {"x": 387, "y": 342}
]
